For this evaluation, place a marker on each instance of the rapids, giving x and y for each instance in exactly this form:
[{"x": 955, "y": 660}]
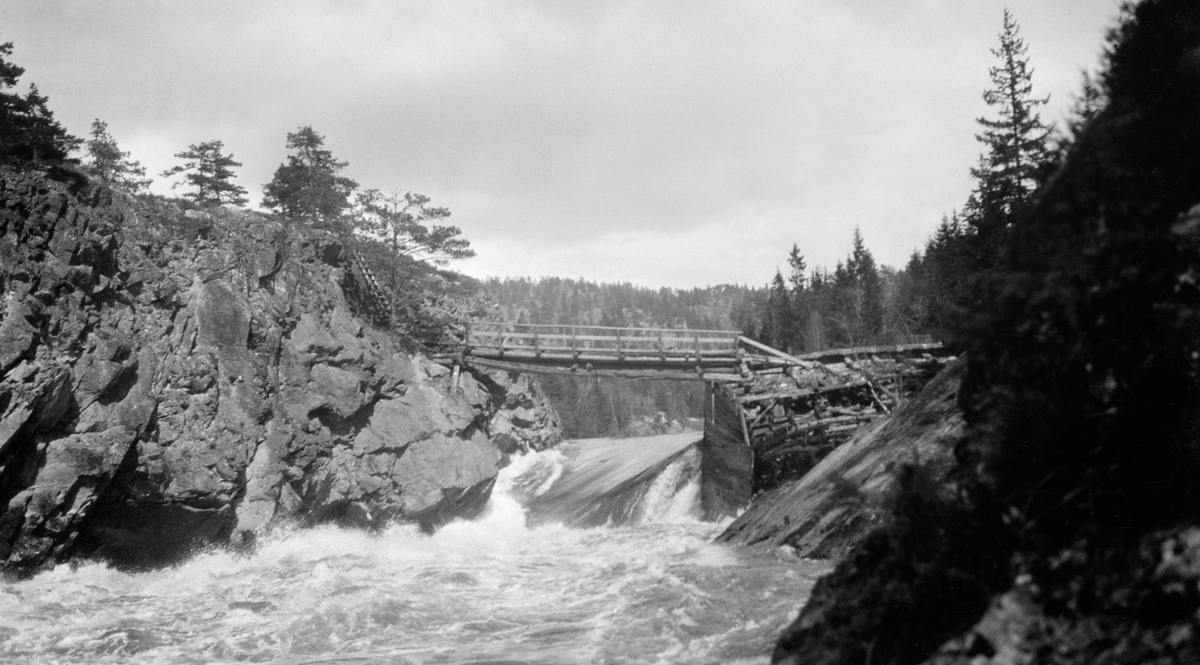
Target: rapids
[{"x": 493, "y": 590}]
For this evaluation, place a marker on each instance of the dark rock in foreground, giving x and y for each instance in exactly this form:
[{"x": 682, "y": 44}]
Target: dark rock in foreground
[
  {"x": 1141, "y": 607},
  {"x": 171, "y": 380},
  {"x": 1073, "y": 538}
]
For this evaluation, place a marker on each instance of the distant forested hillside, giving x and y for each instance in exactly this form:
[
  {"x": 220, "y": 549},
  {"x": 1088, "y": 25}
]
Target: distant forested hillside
[{"x": 557, "y": 300}]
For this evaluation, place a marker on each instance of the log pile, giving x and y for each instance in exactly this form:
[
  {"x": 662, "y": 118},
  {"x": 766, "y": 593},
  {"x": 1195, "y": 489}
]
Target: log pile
[{"x": 796, "y": 415}]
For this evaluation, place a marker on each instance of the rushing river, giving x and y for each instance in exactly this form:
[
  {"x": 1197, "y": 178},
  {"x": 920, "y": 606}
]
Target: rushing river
[{"x": 494, "y": 590}]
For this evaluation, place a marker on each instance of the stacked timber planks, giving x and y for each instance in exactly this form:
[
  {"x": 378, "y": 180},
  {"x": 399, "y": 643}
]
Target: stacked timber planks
[{"x": 796, "y": 415}]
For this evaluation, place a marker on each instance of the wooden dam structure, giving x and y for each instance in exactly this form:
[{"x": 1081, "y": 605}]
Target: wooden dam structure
[{"x": 769, "y": 416}]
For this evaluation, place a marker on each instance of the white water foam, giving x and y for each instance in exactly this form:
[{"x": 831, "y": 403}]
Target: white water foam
[{"x": 491, "y": 589}]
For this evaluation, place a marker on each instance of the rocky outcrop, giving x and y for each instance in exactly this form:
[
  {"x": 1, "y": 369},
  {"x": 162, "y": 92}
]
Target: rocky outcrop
[
  {"x": 833, "y": 507},
  {"x": 172, "y": 379},
  {"x": 525, "y": 420}
]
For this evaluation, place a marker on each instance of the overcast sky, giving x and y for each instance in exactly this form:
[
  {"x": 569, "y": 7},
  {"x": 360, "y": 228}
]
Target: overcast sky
[{"x": 661, "y": 143}]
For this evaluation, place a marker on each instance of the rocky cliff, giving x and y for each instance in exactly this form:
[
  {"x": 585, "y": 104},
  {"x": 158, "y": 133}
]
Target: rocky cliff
[{"x": 174, "y": 379}]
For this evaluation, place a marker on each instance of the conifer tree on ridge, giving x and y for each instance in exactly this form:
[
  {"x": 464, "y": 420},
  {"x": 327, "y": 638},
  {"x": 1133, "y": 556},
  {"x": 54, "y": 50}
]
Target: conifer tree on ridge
[
  {"x": 111, "y": 164},
  {"x": 1015, "y": 142},
  {"x": 210, "y": 171},
  {"x": 308, "y": 186}
]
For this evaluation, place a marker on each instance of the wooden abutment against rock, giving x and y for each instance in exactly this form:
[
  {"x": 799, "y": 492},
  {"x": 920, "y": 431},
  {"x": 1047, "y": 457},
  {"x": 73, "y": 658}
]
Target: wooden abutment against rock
[{"x": 768, "y": 416}]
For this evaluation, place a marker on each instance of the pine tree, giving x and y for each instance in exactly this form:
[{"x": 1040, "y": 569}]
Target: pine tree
[
  {"x": 1015, "y": 142},
  {"x": 29, "y": 134},
  {"x": 111, "y": 164},
  {"x": 210, "y": 171},
  {"x": 307, "y": 187},
  {"x": 401, "y": 221}
]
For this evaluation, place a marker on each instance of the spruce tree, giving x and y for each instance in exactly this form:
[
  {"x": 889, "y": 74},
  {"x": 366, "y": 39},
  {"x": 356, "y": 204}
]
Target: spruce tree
[
  {"x": 1015, "y": 142},
  {"x": 860, "y": 295},
  {"x": 308, "y": 186},
  {"x": 797, "y": 278},
  {"x": 779, "y": 320},
  {"x": 1088, "y": 104},
  {"x": 1016, "y": 156},
  {"x": 801, "y": 304},
  {"x": 210, "y": 171}
]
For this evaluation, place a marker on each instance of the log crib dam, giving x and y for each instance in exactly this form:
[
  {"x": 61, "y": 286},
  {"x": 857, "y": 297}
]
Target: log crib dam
[{"x": 769, "y": 416}]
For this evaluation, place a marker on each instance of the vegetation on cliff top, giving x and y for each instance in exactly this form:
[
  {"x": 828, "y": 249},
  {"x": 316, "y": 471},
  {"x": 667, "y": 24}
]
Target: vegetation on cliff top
[{"x": 395, "y": 248}]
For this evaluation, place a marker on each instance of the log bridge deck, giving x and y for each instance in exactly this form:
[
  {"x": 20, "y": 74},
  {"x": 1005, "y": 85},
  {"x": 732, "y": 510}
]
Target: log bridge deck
[{"x": 639, "y": 353}]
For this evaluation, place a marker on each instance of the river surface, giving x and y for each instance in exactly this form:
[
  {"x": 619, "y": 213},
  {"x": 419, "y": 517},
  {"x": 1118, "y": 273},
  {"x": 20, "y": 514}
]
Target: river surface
[{"x": 494, "y": 590}]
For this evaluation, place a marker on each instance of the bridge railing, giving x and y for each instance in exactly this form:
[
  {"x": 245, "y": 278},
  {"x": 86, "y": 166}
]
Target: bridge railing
[{"x": 568, "y": 340}]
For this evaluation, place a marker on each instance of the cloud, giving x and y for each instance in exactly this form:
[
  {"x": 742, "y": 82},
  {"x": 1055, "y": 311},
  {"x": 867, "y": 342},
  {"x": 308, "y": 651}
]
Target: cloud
[{"x": 681, "y": 142}]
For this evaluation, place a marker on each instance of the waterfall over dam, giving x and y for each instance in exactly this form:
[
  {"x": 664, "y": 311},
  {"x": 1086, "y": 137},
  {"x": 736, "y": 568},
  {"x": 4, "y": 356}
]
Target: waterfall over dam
[
  {"x": 591, "y": 553},
  {"x": 597, "y": 482}
]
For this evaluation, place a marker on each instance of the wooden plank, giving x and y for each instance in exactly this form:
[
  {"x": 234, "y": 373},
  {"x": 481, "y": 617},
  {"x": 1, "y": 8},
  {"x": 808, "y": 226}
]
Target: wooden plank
[
  {"x": 618, "y": 339},
  {"x": 813, "y": 426},
  {"x": 801, "y": 392},
  {"x": 590, "y": 355},
  {"x": 605, "y": 351},
  {"x": 545, "y": 326},
  {"x": 647, "y": 374},
  {"x": 774, "y": 352},
  {"x": 853, "y": 352}
]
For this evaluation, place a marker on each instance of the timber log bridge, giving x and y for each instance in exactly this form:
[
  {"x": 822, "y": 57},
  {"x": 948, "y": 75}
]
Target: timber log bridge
[
  {"x": 642, "y": 353},
  {"x": 769, "y": 416}
]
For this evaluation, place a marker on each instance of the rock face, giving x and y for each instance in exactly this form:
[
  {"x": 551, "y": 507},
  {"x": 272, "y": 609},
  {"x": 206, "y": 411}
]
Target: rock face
[
  {"x": 834, "y": 506},
  {"x": 524, "y": 421},
  {"x": 1140, "y": 608},
  {"x": 170, "y": 380}
]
